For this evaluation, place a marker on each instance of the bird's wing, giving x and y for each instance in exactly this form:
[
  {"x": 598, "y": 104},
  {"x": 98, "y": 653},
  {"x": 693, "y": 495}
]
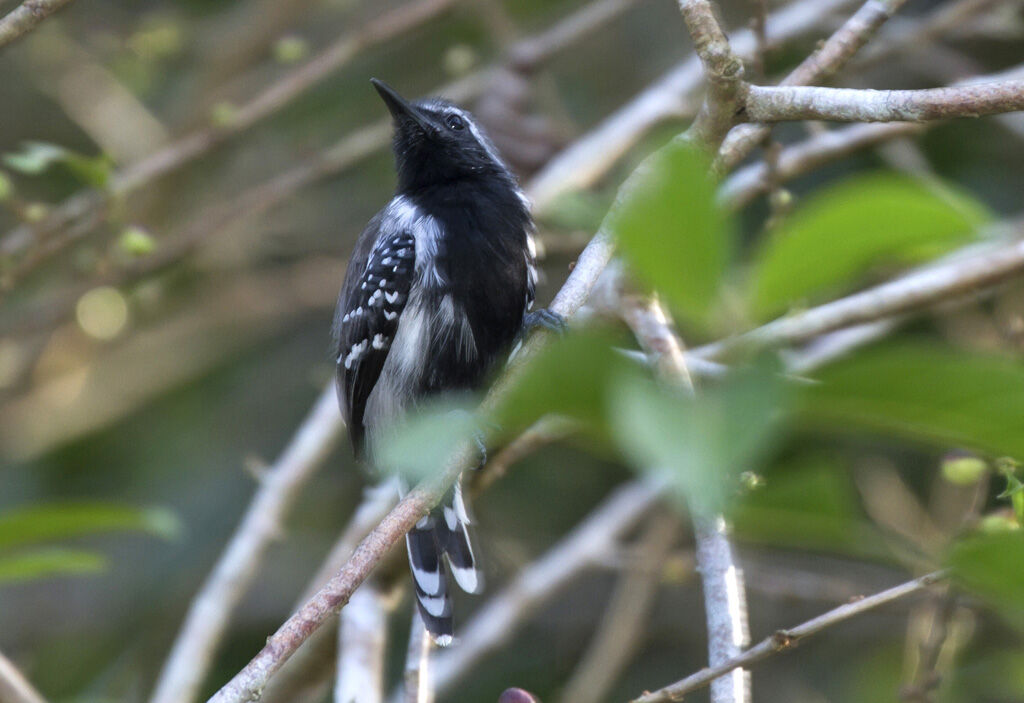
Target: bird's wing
[{"x": 373, "y": 296}]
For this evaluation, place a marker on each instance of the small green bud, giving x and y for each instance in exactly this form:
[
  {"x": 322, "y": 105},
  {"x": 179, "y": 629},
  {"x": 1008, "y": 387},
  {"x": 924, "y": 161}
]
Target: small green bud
[
  {"x": 290, "y": 49},
  {"x": 963, "y": 470},
  {"x": 136, "y": 241},
  {"x": 223, "y": 114},
  {"x": 997, "y": 524}
]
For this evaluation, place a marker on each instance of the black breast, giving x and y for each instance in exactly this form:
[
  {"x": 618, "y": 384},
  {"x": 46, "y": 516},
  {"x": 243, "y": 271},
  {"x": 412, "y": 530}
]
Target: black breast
[{"x": 484, "y": 260}]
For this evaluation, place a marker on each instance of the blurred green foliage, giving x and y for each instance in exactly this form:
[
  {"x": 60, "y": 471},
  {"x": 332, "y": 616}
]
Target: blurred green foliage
[
  {"x": 679, "y": 241},
  {"x": 835, "y": 236}
]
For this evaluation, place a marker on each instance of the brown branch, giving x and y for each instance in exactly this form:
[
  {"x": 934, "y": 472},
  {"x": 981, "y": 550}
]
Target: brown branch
[
  {"x": 25, "y": 17},
  {"x": 192, "y": 654},
  {"x": 723, "y": 70},
  {"x": 784, "y": 640},
  {"x": 779, "y": 104},
  {"x": 314, "y": 663},
  {"x": 14, "y": 687}
]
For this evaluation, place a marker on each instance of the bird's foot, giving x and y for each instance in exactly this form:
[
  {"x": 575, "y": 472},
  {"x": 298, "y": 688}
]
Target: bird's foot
[{"x": 548, "y": 319}]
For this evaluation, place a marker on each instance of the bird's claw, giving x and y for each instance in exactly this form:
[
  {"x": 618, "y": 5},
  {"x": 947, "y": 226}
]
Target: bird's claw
[{"x": 548, "y": 319}]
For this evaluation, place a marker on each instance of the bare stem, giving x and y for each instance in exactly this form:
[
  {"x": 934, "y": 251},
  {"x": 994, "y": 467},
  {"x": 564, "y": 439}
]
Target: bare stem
[
  {"x": 784, "y": 640},
  {"x": 361, "y": 648},
  {"x": 417, "y": 678}
]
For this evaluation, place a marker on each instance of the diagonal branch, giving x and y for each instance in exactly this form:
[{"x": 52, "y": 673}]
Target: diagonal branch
[
  {"x": 192, "y": 654},
  {"x": 25, "y": 17},
  {"x": 784, "y": 640},
  {"x": 14, "y": 687}
]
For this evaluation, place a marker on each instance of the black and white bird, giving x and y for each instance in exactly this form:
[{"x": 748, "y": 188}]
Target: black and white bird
[{"x": 438, "y": 289}]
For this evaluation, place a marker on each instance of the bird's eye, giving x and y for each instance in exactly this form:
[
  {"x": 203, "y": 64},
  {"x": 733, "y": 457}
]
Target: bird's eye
[{"x": 454, "y": 122}]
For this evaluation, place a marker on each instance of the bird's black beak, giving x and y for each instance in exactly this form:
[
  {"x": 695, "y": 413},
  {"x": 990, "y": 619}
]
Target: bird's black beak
[{"x": 401, "y": 110}]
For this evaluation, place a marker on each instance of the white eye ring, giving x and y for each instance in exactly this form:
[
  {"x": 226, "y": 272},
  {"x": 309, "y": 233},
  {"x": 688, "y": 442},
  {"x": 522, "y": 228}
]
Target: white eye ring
[{"x": 454, "y": 122}]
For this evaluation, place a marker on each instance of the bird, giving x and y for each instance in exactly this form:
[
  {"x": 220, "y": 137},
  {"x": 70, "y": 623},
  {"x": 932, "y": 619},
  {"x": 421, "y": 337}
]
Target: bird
[{"x": 439, "y": 287}]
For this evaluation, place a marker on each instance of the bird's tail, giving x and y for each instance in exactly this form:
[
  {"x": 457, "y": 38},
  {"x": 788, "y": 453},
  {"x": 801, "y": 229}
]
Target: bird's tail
[{"x": 442, "y": 536}]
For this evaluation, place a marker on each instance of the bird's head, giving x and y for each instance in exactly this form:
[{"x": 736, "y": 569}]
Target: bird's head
[{"x": 436, "y": 142}]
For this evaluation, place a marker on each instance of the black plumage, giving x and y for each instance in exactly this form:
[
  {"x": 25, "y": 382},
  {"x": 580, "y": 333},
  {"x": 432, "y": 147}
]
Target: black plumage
[{"x": 435, "y": 295}]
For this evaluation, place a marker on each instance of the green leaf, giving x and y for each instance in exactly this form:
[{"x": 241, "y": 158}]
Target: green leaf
[
  {"x": 941, "y": 396},
  {"x": 43, "y": 563},
  {"x": 839, "y": 234},
  {"x": 420, "y": 444},
  {"x": 569, "y": 377},
  {"x": 808, "y": 503},
  {"x": 60, "y": 521},
  {"x": 992, "y": 566},
  {"x": 37, "y": 157},
  {"x": 672, "y": 231},
  {"x": 699, "y": 444}
]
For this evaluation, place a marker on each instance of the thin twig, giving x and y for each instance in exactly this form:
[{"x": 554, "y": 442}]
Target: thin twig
[
  {"x": 192, "y": 654},
  {"x": 784, "y": 640},
  {"x": 14, "y": 687},
  {"x": 361, "y": 648},
  {"x": 416, "y": 681},
  {"x": 26, "y": 17},
  {"x": 314, "y": 660}
]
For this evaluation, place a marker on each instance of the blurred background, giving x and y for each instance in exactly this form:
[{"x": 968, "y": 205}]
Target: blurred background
[{"x": 181, "y": 185}]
